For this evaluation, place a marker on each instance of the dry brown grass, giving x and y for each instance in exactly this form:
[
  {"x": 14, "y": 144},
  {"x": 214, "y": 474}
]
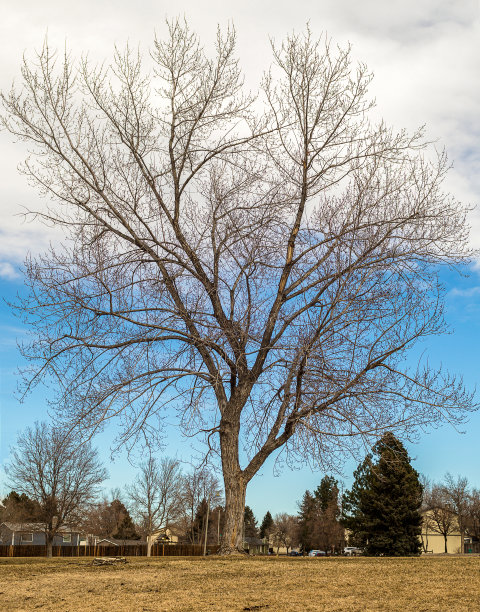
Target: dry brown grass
[{"x": 261, "y": 584}]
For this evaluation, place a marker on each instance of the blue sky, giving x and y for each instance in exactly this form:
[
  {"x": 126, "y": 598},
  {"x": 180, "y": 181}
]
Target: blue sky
[
  {"x": 426, "y": 64},
  {"x": 435, "y": 453}
]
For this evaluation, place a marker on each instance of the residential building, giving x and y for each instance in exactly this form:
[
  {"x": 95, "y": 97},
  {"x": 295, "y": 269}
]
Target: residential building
[{"x": 33, "y": 534}]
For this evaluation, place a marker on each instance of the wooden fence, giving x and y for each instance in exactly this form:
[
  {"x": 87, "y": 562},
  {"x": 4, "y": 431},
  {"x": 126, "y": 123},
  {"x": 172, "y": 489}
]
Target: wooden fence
[
  {"x": 158, "y": 550},
  {"x": 473, "y": 547}
]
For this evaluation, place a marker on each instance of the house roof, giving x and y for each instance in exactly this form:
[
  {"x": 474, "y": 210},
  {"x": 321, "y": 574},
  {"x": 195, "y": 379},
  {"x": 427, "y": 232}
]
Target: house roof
[
  {"x": 162, "y": 532},
  {"x": 117, "y": 542},
  {"x": 35, "y": 527},
  {"x": 164, "y": 535}
]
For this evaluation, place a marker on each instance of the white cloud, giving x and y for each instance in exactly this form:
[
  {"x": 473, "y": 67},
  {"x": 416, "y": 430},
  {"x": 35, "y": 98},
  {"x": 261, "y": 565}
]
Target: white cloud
[
  {"x": 464, "y": 293},
  {"x": 423, "y": 53},
  {"x": 7, "y": 271},
  {"x": 409, "y": 21}
]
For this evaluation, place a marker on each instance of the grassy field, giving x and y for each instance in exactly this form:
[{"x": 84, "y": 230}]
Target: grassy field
[{"x": 258, "y": 583}]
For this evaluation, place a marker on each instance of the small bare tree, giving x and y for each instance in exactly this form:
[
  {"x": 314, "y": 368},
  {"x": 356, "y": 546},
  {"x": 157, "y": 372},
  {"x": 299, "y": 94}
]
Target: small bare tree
[
  {"x": 263, "y": 266},
  {"x": 440, "y": 514},
  {"x": 284, "y": 531},
  {"x": 473, "y": 515},
  {"x": 200, "y": 487},
  {"x": 58, "y": 473},
  {"x": 457, "y": 495},
  {"x": 156, "y": 496}
]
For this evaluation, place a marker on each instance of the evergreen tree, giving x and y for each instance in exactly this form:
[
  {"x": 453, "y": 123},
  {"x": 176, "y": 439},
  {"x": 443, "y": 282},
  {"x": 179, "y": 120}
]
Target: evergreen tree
[
  {"x": 126, "y": 530},
  {"x": 306, "y": 521},
  {"x": 250, "y": 523},
  {"x": 328, "y": 533},
  {"x": 122, "y": 527},
  {"x": 326, "y": 492},
  {"x": 266, "y": 525},
  {"x": 19, "y": 508},
  {"x": 199, "y": 523},
  {"x": 382, "y": 508},
  {"x": 318, "y": 517}
]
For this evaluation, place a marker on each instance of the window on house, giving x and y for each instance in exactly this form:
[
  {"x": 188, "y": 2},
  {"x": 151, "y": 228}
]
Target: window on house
[
  {"x": 67, "y": 537},
  {"x": 27, "y": 538}
]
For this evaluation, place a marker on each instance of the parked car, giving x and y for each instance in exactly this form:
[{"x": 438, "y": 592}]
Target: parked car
[
  {"x": 352, "y": 551},
  {"x": 294, "y": 553},
  {"x": 317, "y": 553}
]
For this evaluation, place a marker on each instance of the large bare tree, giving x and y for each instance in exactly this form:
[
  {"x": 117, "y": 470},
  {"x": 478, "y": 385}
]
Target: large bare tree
[
  {"x": 59, "y": 473},
  {"x": 261, "y": 266}
]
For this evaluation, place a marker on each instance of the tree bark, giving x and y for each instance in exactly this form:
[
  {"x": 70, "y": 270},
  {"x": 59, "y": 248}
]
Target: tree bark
[
  {"x": 235, "y": 485},
  {"x": 235, "y": 489},
  {"x": 149, "y": 545},
  {"x": 49, "y": 539}
]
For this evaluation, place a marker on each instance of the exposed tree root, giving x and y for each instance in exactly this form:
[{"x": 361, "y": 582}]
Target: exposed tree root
[{"x": 231, "y": 551}]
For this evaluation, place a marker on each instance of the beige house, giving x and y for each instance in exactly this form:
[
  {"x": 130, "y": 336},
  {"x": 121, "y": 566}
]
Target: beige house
[
  {"x": 440, "y": 530},
  {"x": 163, "y": 536}
]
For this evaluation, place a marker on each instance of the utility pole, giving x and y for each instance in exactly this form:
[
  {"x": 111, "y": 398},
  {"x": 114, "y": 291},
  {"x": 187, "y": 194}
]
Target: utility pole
[{"x": 206, "y": 528}]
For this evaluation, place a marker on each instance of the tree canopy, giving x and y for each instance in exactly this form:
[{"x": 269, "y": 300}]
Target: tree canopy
[{"x": 257, "y": 266}]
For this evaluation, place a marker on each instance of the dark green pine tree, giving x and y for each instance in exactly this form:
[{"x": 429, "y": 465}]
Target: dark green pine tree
[
  {"x": 327, "y": 528},
  {"x": 266, "y": 525},
  {"x": 382, "y": 508},
  {"x": 19, "y": 508},
  {"x": 306, "y": 521},
  {"x": 125, "y": 529},
  {"x": 326, "y": 492},
  {"x": 199, "y": 523},
  {"x": 250, "y": 523}
]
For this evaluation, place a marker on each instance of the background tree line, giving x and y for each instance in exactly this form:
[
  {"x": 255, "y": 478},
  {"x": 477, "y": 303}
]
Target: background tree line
[{"x": 55, "y": 479}]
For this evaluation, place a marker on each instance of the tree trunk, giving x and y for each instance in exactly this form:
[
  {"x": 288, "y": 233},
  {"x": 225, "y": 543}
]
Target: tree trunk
[
  {"x": 235, "y": 483},
  {"x": 149, "y": 545},
  {"x": 234, "y": 510},
  {"x": 445, "y": 538},
  {"x": 235, "y": 488},
  {"x": 49, "y": 539}
]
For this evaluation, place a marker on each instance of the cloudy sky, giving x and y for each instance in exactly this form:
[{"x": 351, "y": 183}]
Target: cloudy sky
[{"x": 426, "y": 59}]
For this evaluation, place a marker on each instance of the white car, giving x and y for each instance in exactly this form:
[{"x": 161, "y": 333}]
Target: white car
[
  {"x": 317, "y": 553},
  {"x": 351, "y": 551}
]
